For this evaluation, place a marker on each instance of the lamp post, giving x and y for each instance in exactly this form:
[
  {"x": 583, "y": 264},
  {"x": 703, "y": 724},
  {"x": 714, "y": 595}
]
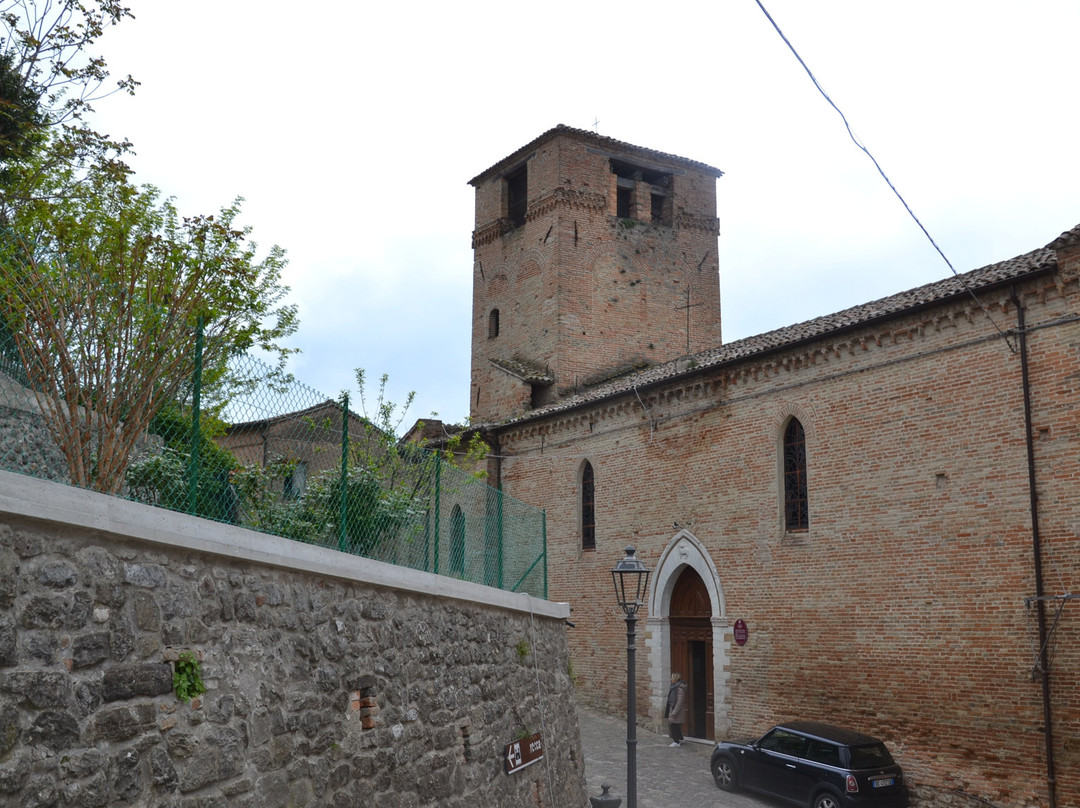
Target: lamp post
[{"x": 631, "y": 582}]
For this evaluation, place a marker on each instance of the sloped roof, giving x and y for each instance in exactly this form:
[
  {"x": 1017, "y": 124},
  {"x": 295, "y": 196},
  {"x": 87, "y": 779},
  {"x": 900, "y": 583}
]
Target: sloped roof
[
  {"x": 1070, "y": 238},
  {"x": 329, "y": 405},
  {"x": 525, "y": 370},
  {"x": 597, "y": 141},
  {"x": 789, "y": 336}
]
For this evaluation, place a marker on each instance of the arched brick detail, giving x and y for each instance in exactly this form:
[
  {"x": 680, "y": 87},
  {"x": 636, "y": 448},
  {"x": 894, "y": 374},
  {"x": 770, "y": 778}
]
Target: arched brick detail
[
  {"x": 532, "y": 263},
  {"x": 612, "y": 253},
  {"x": 788, "y": 410}
]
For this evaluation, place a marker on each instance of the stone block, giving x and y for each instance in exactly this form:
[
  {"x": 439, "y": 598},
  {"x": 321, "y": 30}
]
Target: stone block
[
  {"x": 217, "y": 756},
  {"x": 54, "y": 730},
  {"x": 89, "y": 649},
  {"x": 126, "y": 782},
  {"x": 41, "y": 689},
  {"x": 272, "y": 790},
  {"x": 147, "y": 612},
  {"x": 162, "y": 771},
  {"x": 44, "y": 611},
  {"x": 144, "y": 575},
  {"x": 78, "y": 765},
  {"x": 9, "y": 577},
  {"x": 14, "y": 771},
  {"x": 8, "y": 646},
  {"x": 129, "y": 681},
  {"x": 40, "y": 792},
  {"x": 121, "y": 723},
  {"x": 56, "y": 575},
  {"x": 10, "y": 730},
  {"x": 121, "y": 638}
]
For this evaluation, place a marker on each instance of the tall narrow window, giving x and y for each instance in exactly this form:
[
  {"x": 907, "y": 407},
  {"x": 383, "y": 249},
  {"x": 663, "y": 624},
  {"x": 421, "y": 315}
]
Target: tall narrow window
[
  {"x": 624, "y": 198},
  {"x": 517, "y": 195},
  {"x": 493, "y": 324},
  {"x": 456, "y": 563},
  {"x": 588, "y": 508},
  {"x": 796, "y": 512}
]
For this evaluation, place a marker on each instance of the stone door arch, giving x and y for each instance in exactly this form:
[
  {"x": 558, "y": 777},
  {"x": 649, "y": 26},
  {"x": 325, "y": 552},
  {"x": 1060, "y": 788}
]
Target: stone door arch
[
  {"x": 686, "y": 633},
  {"x": 691, "y": 651}
]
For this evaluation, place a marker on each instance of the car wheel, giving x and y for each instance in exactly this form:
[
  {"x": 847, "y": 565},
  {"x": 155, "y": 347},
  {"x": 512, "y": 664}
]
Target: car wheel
[
  {"x": 723, "y": 772},
  {"x": 826, "y": 800}
]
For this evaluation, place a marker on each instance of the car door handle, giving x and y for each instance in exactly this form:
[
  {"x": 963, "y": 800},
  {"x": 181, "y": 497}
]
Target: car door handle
[{"x": 790, "y": 765}]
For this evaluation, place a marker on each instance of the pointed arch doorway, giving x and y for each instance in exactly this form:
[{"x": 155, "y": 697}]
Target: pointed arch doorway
[{"x": 691, "y": 635}]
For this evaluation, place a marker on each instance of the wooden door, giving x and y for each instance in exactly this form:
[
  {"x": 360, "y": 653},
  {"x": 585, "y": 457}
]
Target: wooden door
[{"x": 691, "y": 651}]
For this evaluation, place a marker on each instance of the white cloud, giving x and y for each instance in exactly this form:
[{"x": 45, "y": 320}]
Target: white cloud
[{"x": 352, "y": 130}]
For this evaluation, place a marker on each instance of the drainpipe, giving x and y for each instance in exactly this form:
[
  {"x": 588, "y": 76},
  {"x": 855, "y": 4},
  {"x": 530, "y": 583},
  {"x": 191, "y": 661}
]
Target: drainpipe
[{"x": 1036, "y": 551}]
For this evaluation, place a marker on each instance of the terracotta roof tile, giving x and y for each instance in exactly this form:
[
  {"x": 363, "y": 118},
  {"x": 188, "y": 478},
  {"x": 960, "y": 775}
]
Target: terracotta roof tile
[
  {"x": 1070, "y": 238},
  {"x": 599, "y": 141},
  {"x": 789, "y": 336},
  {"x": 532, "y": 372}
]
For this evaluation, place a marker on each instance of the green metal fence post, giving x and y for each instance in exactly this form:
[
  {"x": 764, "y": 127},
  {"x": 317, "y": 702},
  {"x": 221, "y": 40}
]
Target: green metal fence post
[
  {"x": 438, "y": 497},
  {"x": 500, "y": 533},
  {"x": 543, "y": 533},
  {"x": 343, "y": 505},
  {"x": 196, "y": 432}
]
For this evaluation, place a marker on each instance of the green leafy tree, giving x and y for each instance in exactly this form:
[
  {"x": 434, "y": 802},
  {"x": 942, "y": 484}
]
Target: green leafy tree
[
  {"x": 165, "y": 479},
  {"x": 262, "y": 505},
  {"x": 51, "y": 75},
  {"x": 103, "y": 285},
  {"x": 49, "y": 46},
  {"x": 20, "y": 117},
  {"x": 385, "y": 483}
]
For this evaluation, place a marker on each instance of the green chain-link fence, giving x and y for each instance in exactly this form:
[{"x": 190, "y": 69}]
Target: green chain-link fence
[{"x": 251, "y": 448}]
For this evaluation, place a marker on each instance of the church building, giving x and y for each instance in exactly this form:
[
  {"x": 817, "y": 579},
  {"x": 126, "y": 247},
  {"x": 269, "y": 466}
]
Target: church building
[{"x": 870, "y": 518}]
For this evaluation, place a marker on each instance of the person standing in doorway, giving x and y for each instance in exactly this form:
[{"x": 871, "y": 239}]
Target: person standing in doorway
[{"x": 675, "y": 712}]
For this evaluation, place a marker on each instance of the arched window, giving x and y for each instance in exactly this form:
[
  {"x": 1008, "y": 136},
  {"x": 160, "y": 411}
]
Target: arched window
[
  {"x": 457, "y": 542},
  {"x": 796, "y": 512},
  {"x": 493, "y": 324},
  {"x": 588, "y": 507}
]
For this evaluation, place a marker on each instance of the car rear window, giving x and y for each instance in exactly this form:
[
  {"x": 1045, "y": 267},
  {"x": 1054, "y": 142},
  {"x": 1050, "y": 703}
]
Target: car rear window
[
  {"x": 870, "y": 757},
  {"x": 823, "y": 752}
]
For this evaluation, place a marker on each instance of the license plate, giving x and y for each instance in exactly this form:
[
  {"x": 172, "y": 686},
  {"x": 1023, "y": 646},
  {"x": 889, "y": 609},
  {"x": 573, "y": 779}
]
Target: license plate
[{"x": 888, "y": 781}]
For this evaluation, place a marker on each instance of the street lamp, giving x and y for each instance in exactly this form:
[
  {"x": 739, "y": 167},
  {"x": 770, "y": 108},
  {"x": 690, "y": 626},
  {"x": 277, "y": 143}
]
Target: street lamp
[{"x": 631, "y": 582}]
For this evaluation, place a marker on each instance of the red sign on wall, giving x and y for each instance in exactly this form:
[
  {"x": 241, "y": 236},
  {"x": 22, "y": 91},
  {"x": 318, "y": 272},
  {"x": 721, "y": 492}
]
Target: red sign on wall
[{"x": 741, "y": 632}]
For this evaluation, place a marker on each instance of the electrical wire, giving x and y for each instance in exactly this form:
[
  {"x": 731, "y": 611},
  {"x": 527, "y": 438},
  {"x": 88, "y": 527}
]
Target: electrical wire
[{"x": 881, "y": 171}]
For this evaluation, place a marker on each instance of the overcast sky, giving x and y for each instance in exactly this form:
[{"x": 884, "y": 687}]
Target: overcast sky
[{"x": 352, "y": 129}]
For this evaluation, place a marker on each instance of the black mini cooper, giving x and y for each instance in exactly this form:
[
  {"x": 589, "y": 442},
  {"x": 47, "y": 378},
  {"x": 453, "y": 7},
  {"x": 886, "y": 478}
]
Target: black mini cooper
[{"x": 812, "y": 764}]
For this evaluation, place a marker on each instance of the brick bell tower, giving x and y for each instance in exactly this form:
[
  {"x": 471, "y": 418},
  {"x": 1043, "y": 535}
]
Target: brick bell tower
[{"x": 591, "y": 258}]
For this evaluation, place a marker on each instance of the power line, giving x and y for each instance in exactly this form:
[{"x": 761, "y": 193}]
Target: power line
[{"x": 881, "y": 171}]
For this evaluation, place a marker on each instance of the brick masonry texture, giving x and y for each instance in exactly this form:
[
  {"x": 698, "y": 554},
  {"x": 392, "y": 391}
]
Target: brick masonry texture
[
  {"x": 575, "y": 283},
  {"x": 901, "y": 611},
  {"x": 321, "y": 691}
]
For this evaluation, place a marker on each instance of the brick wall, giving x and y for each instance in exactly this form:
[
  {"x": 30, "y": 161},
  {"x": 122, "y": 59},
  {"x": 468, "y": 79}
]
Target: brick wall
[
  {"x": 901, "y": 611},
  {"x": 580, "y": 290}
]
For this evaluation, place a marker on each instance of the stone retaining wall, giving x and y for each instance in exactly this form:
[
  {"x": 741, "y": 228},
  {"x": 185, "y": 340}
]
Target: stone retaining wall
[
  {"x": 26, "y": 445},
  {"x": 331, "y": 680}
]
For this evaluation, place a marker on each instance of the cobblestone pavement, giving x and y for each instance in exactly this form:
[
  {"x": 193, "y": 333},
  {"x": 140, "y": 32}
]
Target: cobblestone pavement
[{"x": 666, "y": 777}]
